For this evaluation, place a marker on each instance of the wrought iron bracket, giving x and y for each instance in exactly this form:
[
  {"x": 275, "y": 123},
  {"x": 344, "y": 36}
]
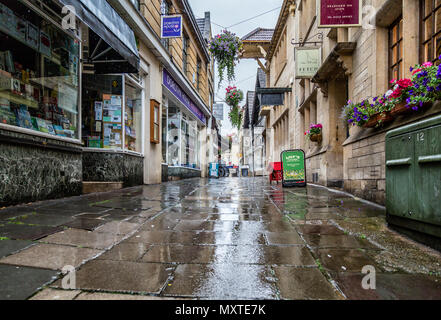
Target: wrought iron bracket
[{"x": 302, "y": 42}]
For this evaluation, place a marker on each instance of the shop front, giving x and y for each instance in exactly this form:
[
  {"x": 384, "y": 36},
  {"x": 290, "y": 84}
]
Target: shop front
[
  {"x": 45, "y": 115},
  {"x": 40, "y": 76},
  {"x": 112, "y": 99},
  {"x": 183, "y": 124}
]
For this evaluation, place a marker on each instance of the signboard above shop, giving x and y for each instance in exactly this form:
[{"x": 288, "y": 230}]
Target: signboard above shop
[
  {"x": 340, "y": 13},
  {"x": 171, "y": 26},
  {"x": 308, "y": 61}
]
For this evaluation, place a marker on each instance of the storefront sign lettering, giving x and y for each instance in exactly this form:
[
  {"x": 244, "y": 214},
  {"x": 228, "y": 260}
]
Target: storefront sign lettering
[
  {"x": 340, "y": 13},
  {"x": 174, "y": 88},
  {"x": 308, "y": 61}
]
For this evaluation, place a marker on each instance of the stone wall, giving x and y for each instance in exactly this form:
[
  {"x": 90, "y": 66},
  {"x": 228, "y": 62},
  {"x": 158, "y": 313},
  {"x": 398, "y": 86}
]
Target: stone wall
[
  {"x": 34, "y": 168},
  {"x": 183, "y": 173},
  {"x": 113, "y": 167}
]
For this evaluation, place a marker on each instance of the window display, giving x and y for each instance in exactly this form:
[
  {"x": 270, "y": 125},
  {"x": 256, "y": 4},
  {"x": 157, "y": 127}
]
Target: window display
[
  {"x": 111, "y": 121},
  {"x": 39, "y": 72},
  {"x": 133, "y": 117}
]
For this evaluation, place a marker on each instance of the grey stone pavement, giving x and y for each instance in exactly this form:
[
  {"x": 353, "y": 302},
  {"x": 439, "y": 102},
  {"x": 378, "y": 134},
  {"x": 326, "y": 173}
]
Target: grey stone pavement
[{"x": 234, "y": 238}]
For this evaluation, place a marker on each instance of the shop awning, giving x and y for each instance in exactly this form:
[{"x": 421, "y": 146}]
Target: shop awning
[{"x": 112, "y": 44}]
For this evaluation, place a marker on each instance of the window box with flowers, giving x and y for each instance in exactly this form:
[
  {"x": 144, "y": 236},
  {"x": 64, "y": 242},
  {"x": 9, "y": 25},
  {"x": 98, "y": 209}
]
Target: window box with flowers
[
  {"x": 407, "y": 96},
  {"x": 315, "y": 133}
]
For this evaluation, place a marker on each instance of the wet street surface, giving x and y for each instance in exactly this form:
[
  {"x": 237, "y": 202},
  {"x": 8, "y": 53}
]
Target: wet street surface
[{"x": 234, "y": 238}]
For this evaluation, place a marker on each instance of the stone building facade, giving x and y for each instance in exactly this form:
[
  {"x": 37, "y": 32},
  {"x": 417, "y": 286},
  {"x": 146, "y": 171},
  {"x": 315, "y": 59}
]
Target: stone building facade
[{"x": 357, "y": 63}]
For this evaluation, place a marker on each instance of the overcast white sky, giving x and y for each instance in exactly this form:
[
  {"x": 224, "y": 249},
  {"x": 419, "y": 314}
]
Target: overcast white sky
[{"x": 227, "y": 13}]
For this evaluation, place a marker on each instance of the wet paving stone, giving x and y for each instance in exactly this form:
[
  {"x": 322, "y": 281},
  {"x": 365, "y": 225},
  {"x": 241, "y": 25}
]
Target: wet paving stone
[
  {"x": 179, "y": 254},
  {"x": 229, "y": 238},
  {"x": 19, "y": 283},
  {"x": 47, "y": 256},
  {"x": 122, "y": 276},
  {"x": 82, "y": 238},
  {"x": 14, "y": 212},
  {"x": 8, "y": 247},
  {"x": 100, "y": 296},
  {"x": 285, "y": 238},
  {"x": 337, "y": 241},
  {"x": 340, "y": 260},
  {"x": 304, "y": 284},
  {"x": 126, "y": 251},
  {"x": 41, "y": 220},
  {"x": 118, "y": 227},
  {"x": 25, "y": 232},
  {"x": 163, "y": 237},
  {"x": 390, "y": 287},
  {"x": 195, "y": 225},
  {"x": 84, "y": 224},
  {"x": 218, "y": 281},
  {"x": 319, "y": 229},
  {"x": 55, "y": 295}
]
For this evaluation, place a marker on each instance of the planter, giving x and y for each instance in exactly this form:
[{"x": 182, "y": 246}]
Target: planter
[
  {"x": 316, "y": 138},
  {"x": 400, "y": 109},
  {"x": 378, "y": 118}
]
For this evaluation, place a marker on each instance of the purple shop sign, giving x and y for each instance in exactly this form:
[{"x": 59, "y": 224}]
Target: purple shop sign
[
  {"x": 171, "y": 26},
  {"x": 340, "y": 13},
  {"x": 174, "y": 88}
]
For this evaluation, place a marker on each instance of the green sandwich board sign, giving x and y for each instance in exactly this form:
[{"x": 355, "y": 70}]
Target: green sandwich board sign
[{"x": 294, "y": 168}]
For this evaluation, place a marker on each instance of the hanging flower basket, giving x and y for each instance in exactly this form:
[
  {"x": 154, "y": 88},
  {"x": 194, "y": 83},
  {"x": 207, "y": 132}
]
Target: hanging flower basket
[
  {"x": 316, "y": 138},
  {"x": 315, "y": 133},
  {"x": 233, "y": 98},
  {"x": 225, "y": 48}
]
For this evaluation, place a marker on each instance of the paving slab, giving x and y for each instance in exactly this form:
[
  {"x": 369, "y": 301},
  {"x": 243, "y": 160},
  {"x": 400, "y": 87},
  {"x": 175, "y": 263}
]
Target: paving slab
[
  {"x": 226, "y": 281},
  {"x": 195, "y": 225},
  {"x": 180, "y": 254},
  {"x": 163, "y": 237},
  {"x": 8, "y": 247},
  {"x": 55, "y": 295},
  {"x": 48, "y": 256},
  {"x": 88, "y": 224},
  {"x": 122, "y": 276},
  {"x": 229, "y": 238},
  {"x": 118, "y": 227},
  {"x": 390, "y": 287},
  {"x": 25, "y": 232},
  {"x": 19, "y": 283},
  {"x": 339, "y": 260},
  {"x": 304, "y": 284},
  {"x": 337, "y": 241},
  {"x": 99, "y": 296},
  {"x": 82, "y": 238},
  {"x": 319, "y": 229},
  {"x": 126, "y": 251},
  {"x": 284, "y": 238},
  {"x": 42, "y": 220}
]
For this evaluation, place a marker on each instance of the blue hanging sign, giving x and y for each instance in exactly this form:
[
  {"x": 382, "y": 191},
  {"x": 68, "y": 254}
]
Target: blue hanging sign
[{"x": 171, "y": 26}]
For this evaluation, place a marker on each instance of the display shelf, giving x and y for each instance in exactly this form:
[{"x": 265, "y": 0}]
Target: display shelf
[{"x": 18, "y": 100}]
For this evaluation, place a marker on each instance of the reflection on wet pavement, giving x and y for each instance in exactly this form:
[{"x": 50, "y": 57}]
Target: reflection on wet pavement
[{"x": 237, "y": 238}]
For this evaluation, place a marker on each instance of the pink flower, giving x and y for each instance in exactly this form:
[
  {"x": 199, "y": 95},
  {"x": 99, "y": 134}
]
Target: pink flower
[{"x": 427, "y": 64}]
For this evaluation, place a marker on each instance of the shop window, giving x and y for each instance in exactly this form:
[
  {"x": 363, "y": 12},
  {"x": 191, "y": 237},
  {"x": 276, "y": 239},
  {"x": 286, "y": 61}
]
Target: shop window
[
  {"x": 155, "y": 126},
  {"x": 39, "y": 72},
  {"x": 173, "y": 135},
  {"x": 396, "y": 50},
  {"x": 189, "y": 142},
  {"x": 164, "y": 130},
  {"x": 102, "y": 111},
  {"x": 110, "y": 119},
  {"x": 431, "y": 30},
  {"x": 133, "y": 117},
  {"x": 137, "y": 4}
]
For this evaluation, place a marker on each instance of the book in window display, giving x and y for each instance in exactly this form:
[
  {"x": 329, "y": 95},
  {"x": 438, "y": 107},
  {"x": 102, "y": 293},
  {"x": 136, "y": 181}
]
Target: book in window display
[
  {"x": 33, "y": 36},
  {"x": 45, "y": 44}
]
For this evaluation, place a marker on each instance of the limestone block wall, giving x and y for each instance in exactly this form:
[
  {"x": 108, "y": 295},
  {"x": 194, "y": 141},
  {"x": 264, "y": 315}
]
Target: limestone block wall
[{"x": 365, "y": 169}]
